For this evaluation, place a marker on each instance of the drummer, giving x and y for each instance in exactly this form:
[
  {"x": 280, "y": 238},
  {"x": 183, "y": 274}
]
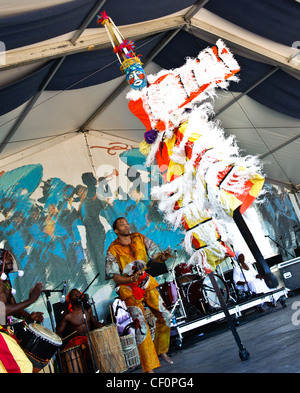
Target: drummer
[
  {"x": 126, "y": 261},
  {"x": 73, "y": 324},
  {"x": 12, "y": 358}
]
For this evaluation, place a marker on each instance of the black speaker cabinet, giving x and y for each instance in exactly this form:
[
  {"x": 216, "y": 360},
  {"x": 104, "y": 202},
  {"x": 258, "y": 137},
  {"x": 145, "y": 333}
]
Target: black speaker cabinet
[
  {"x": 297, "y": 251},
  {"x": 290, "y": 271},
  {"x": 59, "y": 309}
]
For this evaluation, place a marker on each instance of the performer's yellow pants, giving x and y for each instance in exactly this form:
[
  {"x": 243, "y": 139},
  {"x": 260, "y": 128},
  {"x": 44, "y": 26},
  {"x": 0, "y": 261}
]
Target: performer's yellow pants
[{"x": 148, "y": 349}]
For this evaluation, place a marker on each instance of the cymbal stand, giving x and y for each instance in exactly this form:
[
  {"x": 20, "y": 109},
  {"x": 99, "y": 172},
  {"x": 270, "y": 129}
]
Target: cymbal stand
[
  {"x": 228, "y": 282},
  {"x": 205, "y": 287},
  {"x": 179, "y": 302}
]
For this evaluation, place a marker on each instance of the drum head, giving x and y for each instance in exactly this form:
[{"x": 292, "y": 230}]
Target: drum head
[
  {"x": 202, "y": 295},
  {"x": 184, "y": 273},
  {"x": 44, "y": 333}
]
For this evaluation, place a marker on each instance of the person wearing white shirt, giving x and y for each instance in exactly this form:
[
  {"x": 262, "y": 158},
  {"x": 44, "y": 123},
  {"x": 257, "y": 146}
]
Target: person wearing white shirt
[{"x": 246, "y": 278}]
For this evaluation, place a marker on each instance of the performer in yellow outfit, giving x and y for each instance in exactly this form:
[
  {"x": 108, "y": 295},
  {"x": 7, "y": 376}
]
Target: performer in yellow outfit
[{"x": 126, "y": 260}]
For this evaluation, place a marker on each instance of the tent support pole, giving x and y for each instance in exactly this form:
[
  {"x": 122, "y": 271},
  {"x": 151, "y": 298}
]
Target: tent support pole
[
  {"x": 48, "y": 78},
  {"x": 258, "y": 82},
  {"x": 87, "y": 20},
  {"x": 31, "y": 103}
]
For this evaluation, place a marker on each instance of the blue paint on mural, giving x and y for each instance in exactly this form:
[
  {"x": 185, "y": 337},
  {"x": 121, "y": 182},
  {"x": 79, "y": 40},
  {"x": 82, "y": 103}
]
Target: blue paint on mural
[
  {"x": 279, "y": 220},
  {"x": 59, "y": 236}
]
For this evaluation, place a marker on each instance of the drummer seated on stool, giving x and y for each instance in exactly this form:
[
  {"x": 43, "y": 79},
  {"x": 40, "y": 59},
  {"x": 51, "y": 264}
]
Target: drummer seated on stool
[
  {"x": 247, "y": 279},
  {"x": 73, "y": 322}
]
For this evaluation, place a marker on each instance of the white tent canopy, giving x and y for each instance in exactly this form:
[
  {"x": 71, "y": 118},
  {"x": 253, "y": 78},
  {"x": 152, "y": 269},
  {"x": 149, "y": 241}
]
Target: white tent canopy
[{"x": 47, "y": 116}]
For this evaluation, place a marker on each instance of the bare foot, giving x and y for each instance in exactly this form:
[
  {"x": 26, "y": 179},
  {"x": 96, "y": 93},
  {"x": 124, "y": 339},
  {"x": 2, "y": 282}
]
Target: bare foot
[{"x": 166, "y": 358}]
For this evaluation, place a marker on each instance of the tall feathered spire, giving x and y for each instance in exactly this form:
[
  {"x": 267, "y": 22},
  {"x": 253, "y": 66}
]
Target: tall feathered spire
[{"x": 131, "y": 64}]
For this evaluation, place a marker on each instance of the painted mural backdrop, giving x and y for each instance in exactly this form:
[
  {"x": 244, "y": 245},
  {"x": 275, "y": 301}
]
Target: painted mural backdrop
[
  {"x": 63, "y": 234},
  {"x": 280, "y": 221},
  {"x": 60, "y": 232}
]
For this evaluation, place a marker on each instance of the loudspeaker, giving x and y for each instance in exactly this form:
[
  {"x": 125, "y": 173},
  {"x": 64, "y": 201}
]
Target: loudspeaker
[
  {"x": 59, "y": 309},
  {"x": 274, "y": 260},
  {"x": 290, "y": 272},
  {"x": 297, "y": 251},
  {"x": 156, "y": 268}
]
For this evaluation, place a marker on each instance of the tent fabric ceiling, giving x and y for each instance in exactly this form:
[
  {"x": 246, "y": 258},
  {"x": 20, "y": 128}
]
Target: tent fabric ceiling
[
  {"x": 264, "y": 77},
  {"x": 276, "y": 20},
  {"x": 32, "y": 27}
]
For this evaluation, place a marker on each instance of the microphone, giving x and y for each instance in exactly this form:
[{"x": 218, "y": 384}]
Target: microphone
[{"x": 63, "y": 295}]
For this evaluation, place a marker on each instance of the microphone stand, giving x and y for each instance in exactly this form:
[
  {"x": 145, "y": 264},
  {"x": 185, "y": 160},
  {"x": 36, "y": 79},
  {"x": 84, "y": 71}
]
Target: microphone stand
[
  {"x": 97, "y": 275},
  {"x": 280, "y": 246},
  {"x": 297, "y": 244},
  {"x": 47, "y": 293},
  {"x": 249, "y": 290},
  {"x": 81, "y": 299}
]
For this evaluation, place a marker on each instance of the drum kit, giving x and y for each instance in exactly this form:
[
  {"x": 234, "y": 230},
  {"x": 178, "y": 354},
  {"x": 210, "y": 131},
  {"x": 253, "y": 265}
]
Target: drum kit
[{"x": 189, "y": 294}]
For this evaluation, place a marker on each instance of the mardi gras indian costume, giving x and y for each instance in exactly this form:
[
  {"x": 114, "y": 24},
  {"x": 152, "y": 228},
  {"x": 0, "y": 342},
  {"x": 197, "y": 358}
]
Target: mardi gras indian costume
[{"x": 205, "y": 177}]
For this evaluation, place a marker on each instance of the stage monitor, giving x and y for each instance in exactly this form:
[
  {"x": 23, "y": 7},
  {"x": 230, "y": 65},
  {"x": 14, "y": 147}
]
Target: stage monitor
[
  {"x": 297, "y": 251},
  {"x": 274, "y": 260},
  {"x": 59, "y": 309}
]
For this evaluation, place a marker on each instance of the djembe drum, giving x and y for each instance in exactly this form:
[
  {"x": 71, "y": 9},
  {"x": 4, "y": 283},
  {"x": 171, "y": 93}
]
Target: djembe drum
[{"x": 39, "y": 343}]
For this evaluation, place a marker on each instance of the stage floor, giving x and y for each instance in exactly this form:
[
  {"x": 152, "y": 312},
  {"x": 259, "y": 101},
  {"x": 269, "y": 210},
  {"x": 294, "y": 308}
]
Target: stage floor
[{"x": 271, "y": 338}]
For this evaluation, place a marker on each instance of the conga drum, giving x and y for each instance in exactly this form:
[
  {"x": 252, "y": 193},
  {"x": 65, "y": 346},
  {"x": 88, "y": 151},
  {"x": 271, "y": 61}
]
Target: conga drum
[
  {"x": 169, "y": 294},
  {"x": 107, "y": 349},
  {"x": 130, "y": 350},
  {"x": 72, "y": 360},
  {"x": 38, "y": 342}
]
